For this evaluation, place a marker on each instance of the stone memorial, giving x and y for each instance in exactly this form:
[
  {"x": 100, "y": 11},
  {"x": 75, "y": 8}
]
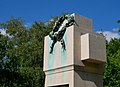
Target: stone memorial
[{"x": 74, "y": 56}]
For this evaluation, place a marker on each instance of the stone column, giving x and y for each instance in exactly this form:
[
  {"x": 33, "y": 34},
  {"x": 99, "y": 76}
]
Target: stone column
[{"x": 82, "y": 63}]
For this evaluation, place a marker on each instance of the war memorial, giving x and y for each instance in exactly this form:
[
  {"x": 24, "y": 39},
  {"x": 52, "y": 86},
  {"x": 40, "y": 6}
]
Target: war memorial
[{"x": 74, "y": 55}]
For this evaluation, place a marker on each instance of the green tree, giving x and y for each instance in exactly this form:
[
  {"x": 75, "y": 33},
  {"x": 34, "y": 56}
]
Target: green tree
[
  {"x": 9, "y": 47},
  {"x": 112, "y": 72},
  {"x": 21, "y": 53}
]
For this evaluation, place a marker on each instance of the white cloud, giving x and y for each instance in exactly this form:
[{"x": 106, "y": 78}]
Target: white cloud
[
  {"x": 28, "y": 25},
  {"x": 109, "y": 35},
  {"x": 3, "y": 32},
  {"x": 51, "y": 20}
]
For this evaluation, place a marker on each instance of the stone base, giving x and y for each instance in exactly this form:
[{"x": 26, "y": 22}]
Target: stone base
[{"x": 75, "y": 76}]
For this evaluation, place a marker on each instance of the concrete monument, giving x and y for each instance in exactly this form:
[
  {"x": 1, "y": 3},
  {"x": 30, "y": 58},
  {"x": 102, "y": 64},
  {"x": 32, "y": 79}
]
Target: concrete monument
[{"x": 77, "y": 57}]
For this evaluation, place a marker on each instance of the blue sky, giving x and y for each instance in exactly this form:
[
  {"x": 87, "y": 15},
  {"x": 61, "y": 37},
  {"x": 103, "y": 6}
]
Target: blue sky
[{"x": 104, "y": 13}]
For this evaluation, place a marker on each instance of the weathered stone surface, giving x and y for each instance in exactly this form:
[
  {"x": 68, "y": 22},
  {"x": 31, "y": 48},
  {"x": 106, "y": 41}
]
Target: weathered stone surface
[
  {"x": 93, "y": 48},
  {"x": 82, "y": 63}
]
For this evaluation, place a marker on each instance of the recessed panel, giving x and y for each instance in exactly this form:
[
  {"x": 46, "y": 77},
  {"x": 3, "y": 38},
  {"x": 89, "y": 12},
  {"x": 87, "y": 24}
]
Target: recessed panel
[{"x": 66, "y": 85}]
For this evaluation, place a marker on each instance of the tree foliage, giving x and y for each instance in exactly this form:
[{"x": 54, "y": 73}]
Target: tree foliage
[
  {"x": 112, "y": 72},
  {"x": 21, "y": 53}
]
